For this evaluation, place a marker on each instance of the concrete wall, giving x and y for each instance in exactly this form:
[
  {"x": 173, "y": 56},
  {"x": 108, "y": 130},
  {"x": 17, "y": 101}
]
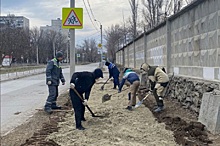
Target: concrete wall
[
  {"x": 156, "y": 47},
  {"x": 188, "y": 43},
  {"x": 139, "y": 52},
  {"x": 131, "y": 56},
  {"x": 194, "y": 41},
  {"x": 210, "y": 112}
]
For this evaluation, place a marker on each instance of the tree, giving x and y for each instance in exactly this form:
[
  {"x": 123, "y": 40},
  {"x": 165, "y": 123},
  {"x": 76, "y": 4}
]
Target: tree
[
  {"x": 15, "y": 41},
  {"x": 133, "y": 19},
  {"x": 88, "y": 51},
  {"x": 50, "y": 43},
  {"x": 35, "y": 38},
  {"x": 113, "y": 36},
  {"x": 156, "y": 11}
]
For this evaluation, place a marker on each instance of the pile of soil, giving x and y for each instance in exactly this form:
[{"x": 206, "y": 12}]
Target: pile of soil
[
  {"x": 187, "y": 131},
  {"x": 39, "y": 137},
  {"x": 39, "y": 127}
]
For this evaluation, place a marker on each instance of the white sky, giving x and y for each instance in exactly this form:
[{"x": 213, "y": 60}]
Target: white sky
[{"x": 40, "y": 13}]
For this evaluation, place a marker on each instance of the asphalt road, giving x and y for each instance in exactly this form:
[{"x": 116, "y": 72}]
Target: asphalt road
[{"x": 25, "y": 95}]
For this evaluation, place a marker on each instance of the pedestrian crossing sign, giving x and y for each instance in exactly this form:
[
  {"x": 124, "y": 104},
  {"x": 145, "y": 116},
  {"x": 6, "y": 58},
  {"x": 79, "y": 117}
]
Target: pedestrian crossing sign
[{"x": 72, "y": 18}]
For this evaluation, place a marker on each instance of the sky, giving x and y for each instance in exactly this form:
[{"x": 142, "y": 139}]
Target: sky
[{"x": 40, "y": 13}]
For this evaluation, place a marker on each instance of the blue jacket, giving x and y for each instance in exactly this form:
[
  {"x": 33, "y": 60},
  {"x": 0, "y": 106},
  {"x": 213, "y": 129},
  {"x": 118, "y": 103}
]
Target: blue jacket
[
  {"x": 113, "y": 70},
  {"x": 130, "y": 76}
]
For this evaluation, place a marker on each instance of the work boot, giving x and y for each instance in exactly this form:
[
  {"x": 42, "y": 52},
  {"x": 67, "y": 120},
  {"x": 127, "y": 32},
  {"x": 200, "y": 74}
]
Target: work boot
[
  {"x": 159, "y": 109},
  {"x": 114, "y": 88},
  {"x": 129, "y": 108},
  {"x": 54, "y": 107},
  {"x": 48, "y": 110},
  {"x": 155, "y": 107},
  {"x": 80, "y": 128},
  {"x": 83, "y": 119}
]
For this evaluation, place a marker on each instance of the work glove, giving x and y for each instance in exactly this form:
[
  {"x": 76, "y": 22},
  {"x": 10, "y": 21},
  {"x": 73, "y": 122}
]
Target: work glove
[
  {"x": 85, "y": 102},
  {"x": 63, "y": 83},
  {"x": 72, "y": 85},
  {"x": 49, "y": 82}
]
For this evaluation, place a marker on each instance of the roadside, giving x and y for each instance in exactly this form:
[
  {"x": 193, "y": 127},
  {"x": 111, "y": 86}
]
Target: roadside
[
  {"x": 175, "y": 126},
  {"x": 21, "y": 68},
  {"x": 20, "y": 98},
  {"x": 13, "y": 73},
  {"x": 117, "y": 127}
]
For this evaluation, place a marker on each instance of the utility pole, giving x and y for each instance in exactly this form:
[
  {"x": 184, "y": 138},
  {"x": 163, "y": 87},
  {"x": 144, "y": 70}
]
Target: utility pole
[
  {"x": 37, "y": 51},
  {"x": 72, "y": 44},
  {"x": 67, "y": 52},
  {"x": 101, "y": 44},
  {"x": 101, "y": 65},
  {"x": 54, "y": 50}
]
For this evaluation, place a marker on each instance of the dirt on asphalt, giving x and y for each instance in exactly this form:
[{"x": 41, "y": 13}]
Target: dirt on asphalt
[{"x": 140, "y": 127}]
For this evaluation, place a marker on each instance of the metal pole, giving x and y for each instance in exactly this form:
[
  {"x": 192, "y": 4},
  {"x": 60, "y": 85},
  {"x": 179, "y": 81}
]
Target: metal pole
[
  {"x": 54, "y": 51},
  {"x": 37, "y": 55},
  {"x": 72, "y": 45},
  {"x": 67, "y": 52},
  {"x": 101, "y": 45}
]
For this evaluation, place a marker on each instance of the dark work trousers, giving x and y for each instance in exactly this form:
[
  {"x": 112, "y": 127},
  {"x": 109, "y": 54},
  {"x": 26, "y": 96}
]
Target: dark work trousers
[
  {"x": 52, "y": 98},
  {"x": 116, "y": 80},
  {"x": 79, "y": 108},
  {"x": 158, "y": 99}
]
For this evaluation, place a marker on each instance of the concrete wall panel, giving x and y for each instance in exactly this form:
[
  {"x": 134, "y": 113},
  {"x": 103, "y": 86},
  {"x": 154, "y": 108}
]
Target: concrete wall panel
[{"x": 194, "y": 42}]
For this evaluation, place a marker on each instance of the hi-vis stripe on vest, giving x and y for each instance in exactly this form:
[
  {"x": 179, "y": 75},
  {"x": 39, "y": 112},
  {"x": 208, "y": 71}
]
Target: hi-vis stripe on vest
[{"x": 56, "y": 63}]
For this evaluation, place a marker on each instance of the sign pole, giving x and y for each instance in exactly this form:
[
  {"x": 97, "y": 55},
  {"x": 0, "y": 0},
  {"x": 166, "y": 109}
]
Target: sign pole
[
  {"x": 72, "y": 44},
  {"x": 101, "y": 46}
]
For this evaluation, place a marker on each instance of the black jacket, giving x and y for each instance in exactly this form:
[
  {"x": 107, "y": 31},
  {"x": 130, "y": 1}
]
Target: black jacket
[
  {"x": 54, "y": 72},
  {"x": 83, "y": 82}
]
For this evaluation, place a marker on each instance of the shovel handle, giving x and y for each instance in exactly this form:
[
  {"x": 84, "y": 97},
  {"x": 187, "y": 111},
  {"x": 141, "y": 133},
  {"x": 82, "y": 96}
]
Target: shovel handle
[
  {"x": 77, "y": 93},
  {"x": 106, "y": 81}
]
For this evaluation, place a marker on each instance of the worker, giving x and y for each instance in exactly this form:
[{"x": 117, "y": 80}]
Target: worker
[
  {"x": 158, "y": 81},
  {"x": 134, "y": 80},
  {"x": 113, "y": 72},
  {"x": 53, "y": 76},
  {"x": 82, "y": 82}
]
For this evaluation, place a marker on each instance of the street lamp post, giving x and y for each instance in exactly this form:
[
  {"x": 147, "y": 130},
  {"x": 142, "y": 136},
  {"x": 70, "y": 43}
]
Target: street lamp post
[{"x": 101, "y": 65}]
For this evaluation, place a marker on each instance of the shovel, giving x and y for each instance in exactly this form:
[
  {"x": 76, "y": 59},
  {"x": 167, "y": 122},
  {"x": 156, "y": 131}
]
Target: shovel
[
  {"x": 102, "y": 88},
  {"x": 107, "y": 97},
  {"x": 140, "y": 102},
  {"x": 93, "y": 115},
  {"x": 168, "y": 86}
]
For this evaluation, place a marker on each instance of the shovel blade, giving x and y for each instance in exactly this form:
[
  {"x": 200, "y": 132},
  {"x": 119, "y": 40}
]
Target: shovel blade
[
  {"x": 102, "y": 88},
  {"x": 106, "y": 97},
  {"x": 138, "y": 104}
]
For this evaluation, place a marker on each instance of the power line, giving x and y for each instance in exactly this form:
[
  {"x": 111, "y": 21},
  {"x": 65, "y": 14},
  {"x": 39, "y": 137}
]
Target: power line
[
  {"x": 91, "y": 11},
  {"x": 89, "y": 15}
]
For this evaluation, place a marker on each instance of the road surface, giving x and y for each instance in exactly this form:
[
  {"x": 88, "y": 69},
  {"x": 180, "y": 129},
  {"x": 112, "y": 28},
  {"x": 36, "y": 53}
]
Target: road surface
[{"x": 23, "y": 96}]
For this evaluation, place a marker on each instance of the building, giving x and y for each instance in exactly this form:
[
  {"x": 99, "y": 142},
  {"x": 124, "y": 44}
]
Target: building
[
  {"x": 14, "y": 21},
  {"x": 56, "y": 25}
]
